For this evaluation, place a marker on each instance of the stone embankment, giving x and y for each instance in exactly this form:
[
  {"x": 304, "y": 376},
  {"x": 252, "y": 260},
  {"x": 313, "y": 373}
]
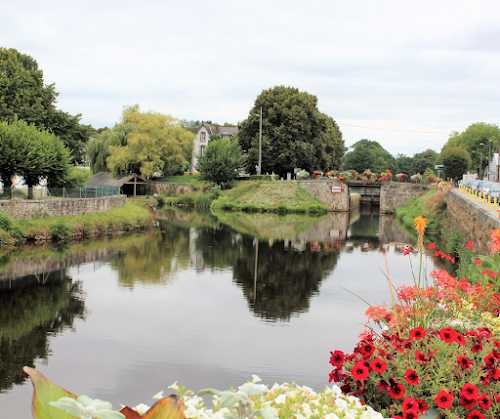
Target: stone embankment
[
  {"x": 395, "y": 194},
  {"x": 26, "y": 209}
]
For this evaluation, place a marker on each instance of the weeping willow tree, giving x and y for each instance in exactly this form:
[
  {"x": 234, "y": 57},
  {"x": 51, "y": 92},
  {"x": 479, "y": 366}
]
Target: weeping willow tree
[{"x": 143, "y": 142}]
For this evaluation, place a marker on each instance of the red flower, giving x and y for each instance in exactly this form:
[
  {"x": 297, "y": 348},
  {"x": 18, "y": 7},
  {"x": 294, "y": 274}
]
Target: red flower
[
  {"x": 378, "y": 365},
  {"x": 444, "y": 399},
  {"x": 337, "y": 358},
  {"x": 417, "y": 333},
  {"x": 468, "y": 404},
  {"x": 410, "y": 414},
  {"x": 478, "y": 262},
  {"x": 421, "y": 358},
  {"x": 469, "y": 391},
  {"x": 360, "y": 371},
  {"x": 411, "y": 377},
  {"x": 484, "y": 402},
  {"x": 447, "y": 334},
  {"x": 469, "y": 245},
  {"x": 465, "y": 362},
  {"x": 383, "y": 386},
  {"x": 475, "y": 414},
  {"x": 409, "y": 403},
  {"x": 367, "y": 349},
  {"x": 477, "y": 347},
  {"x": 422, "y": 405},
  {"x": 406, "y": 250},
  {"x": 432, "y": 245},
  {"x": 459, "y": 338},
  {"x": 489, "y": 360},
  {"x": 337, "y": 375},
  {"x": 397, "y": 391}
]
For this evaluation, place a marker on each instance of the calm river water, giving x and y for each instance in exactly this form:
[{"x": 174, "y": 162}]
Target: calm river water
[{"x": 122, "y": 318}]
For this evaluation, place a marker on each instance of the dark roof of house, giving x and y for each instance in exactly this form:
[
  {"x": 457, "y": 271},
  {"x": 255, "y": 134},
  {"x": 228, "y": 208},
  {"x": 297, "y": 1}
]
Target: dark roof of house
[
  {"x": 106, "y": 178},
  {"x": 212, "y": 129}
]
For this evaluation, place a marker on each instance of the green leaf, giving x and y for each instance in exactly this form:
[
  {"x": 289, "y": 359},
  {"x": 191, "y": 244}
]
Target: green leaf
[
  {"x": 265, "y": 414},
  {"x": 167, "y": 408},
  {"x": 45, "y": 392},
  {"x": 228, "y": 398},
  {"x": 251, "y": 389},
  {"x": 209, "y": 391},
  {"x": 68, "y": 405},
  {"x": 110, "y": 414}
]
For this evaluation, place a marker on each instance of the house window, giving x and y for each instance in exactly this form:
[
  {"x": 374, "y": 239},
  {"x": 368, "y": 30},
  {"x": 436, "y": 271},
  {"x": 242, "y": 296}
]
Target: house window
[
  {"x": 202, "y": 150},
  {"x": 203, "y": 137}
]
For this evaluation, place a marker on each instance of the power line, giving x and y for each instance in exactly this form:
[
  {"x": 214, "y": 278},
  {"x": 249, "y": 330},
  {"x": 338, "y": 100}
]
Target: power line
[{"x": 397, "y": 130}]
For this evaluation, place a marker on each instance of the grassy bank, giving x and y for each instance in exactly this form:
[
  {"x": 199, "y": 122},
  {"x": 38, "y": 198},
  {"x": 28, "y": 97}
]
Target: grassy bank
[
  {"x": 268, "y": 196},
  {"x": 130, "y": 216}
]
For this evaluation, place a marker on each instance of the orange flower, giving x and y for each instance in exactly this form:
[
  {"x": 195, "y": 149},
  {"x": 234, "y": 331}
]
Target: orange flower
[{"x": 420, "y": 223}]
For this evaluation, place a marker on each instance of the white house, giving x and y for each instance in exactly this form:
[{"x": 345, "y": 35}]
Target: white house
[{"x": 203, "y": 137}]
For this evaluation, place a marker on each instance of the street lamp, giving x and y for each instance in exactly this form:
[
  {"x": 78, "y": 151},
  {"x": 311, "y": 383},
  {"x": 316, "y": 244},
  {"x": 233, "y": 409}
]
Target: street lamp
[{"x": 260, "y": 140}]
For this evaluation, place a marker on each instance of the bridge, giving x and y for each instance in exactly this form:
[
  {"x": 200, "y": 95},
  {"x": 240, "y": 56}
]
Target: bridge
[{"x": 369, "y": 192}]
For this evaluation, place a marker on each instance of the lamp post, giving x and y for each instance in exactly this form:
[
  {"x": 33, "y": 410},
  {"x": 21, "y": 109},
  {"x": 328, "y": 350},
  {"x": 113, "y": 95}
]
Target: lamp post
[{"x": 260, "y": 140}]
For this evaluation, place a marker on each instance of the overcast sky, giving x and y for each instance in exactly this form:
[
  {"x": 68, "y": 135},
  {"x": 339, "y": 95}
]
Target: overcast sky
[{"x": 402, "y": 65}]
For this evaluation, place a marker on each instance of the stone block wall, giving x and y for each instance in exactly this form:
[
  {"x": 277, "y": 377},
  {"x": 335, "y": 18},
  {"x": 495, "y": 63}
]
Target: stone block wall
[
  {"x": 178, "y": 188},
  {"x": 394, "y": 194},
  {"x": 474, "y": 221},
  {"x": 322, "y": 190},
  {"x": 26, "y": 209}
]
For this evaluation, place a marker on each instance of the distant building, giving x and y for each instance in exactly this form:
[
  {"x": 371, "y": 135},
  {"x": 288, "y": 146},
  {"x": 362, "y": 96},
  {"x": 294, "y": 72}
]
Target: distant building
[{"x": 203, "y": 137}]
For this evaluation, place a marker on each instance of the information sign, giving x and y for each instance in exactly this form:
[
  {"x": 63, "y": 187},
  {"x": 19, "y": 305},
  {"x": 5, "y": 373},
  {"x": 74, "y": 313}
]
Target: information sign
[{"x": 336, "y": 188}]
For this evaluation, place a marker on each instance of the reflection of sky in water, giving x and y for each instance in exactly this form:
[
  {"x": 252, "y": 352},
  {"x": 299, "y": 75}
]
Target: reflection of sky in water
[{"x": 197, "y": 329}]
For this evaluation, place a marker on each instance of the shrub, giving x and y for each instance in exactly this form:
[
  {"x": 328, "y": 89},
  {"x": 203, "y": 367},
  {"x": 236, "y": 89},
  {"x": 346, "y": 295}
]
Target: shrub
[
  {"x": 59, "y": 229},
  {"x": 203, "y": 201},
  {"x": 5, "y": 221},
  {"x": 161, "y": 201}
]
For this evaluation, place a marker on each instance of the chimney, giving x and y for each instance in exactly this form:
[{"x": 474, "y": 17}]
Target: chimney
[{"x": 217, "y": 129}]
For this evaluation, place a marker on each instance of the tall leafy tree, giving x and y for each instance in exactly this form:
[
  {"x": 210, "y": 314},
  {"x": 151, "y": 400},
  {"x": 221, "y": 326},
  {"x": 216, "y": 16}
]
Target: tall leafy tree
[
  {"x": 404, "y": 163},
  {"x": 150, "y": 143},
  {"x": 456, "y": 160},
  {"x": 221, "y": 161},
  {"x": 369, "y": 155},
  {"x": 23, "y": 95},
  {"x": 294, "y": 133},
  {"x": 424, "y": 160}
]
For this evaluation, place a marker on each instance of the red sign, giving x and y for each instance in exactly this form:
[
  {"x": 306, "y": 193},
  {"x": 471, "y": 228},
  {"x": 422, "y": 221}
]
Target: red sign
[{"x": 336, "y": 188}]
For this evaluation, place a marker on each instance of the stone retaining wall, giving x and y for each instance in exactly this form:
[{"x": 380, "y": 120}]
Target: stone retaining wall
[
  {"x": 474, "y": 221},
  {"x": 26, "y": 209},
  {"x": 322, "y": 190},
  {"x": 394, "y": 194}
]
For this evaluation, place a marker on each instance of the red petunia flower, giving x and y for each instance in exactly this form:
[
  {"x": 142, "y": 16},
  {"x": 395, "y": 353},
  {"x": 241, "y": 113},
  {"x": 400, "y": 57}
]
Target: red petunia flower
[
  {"x": 459, "y": 339},
  {"x": 474, "y": 414},
  {"x": 469, "y": 245},
  {"x": 367, "y": 350},
  {"x": 383, "y": 386},
  {"x": 410, "y": 414},
  {"x": 478, "y": 262},
  {"x": 422, "y": 405},
  {"x": 417, "y": 333},
  {"x": 447, "y": 334},
  {"x": 465, "y": 362},
  {"x": 468, "y": 404},
  {"x": 378, "y": 365},
  {"x": 489, "y": 359},
  {"x": 432, "y": 245},
  {"x": 337, "y": 358},
  {"x": 409, "y": 403},
  {"x": 484, "y": 402},
  {"x": 397, "y": 391},
  {"x": 337, "y": 375},
  {"x": 494, "y": 374},
  {"x": 412, "y": 377},
  {"x": 469, "y": 391},
  {"x": 360, "y": 371},
  {"x": 444, "y": 400},
  {"x": 477, "y": 347},
  {"x": 421, "y": 358}
]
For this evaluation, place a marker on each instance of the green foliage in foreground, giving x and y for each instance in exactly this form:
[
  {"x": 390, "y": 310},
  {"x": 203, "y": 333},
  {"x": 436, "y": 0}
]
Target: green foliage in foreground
[
  {"x": 268, "y": 196},
  {"x": 128, "y": 217},
  {"x": 431, "y": 206}
]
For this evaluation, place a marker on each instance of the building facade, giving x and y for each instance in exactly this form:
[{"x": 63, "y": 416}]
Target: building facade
[{"x": 203, "y": 137}]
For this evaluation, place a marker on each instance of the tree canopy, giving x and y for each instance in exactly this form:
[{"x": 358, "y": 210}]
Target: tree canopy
[
  {"x": 369, "y": 155},
  {"x": 221, "y": 161},
  {"x": 294, "y": 133},
  {"x": 423, "y": 161},
  {"x": 143, "y": 142},
  {"x": 32, "y": 154},
  {"x": 24, "y": 96},
  {"x": 456, "y": 160}
]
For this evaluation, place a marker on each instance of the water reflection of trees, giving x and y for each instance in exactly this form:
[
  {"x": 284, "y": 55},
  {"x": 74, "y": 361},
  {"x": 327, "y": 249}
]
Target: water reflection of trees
[{"x": 28, "y": 316}]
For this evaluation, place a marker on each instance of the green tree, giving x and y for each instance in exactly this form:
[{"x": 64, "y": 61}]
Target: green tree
[
  {"x": 221, "y": 161},
  {"x": 369, "y": 155},
  {"x": 476, "y": 138},
  {"x": 424, "y": 160},
  {"x": 404, "y": 164},
  {"x": 190, "y": 125},
  {"x": 456, "y": 160},
  {"x": 294, "y": 133},
  {"x": 23, "y": 95}
]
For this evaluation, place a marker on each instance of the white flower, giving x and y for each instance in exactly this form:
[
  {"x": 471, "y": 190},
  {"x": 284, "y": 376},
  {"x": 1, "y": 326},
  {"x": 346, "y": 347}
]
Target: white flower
[
  {"x": 174, "y": 386},
  {"x": 190, "y": 412},
  {"x": 336, "y": 391},
  {"x": 331, "y": 416},
  {"x": 141, "y": 408},
  {"x": 280, "y": 399},
  {"x": 256, "y": 379},
  {"x": 158, "y": 396},
  {"x": 341, "y": 404},
  {"x": 193, "y": 401}
]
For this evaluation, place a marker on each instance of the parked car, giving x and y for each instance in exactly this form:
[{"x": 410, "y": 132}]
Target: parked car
[
  {"x": 494, "y": 192},
  {"x": 474, "y": 184},
  {"x": 484, "y": 187}
]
